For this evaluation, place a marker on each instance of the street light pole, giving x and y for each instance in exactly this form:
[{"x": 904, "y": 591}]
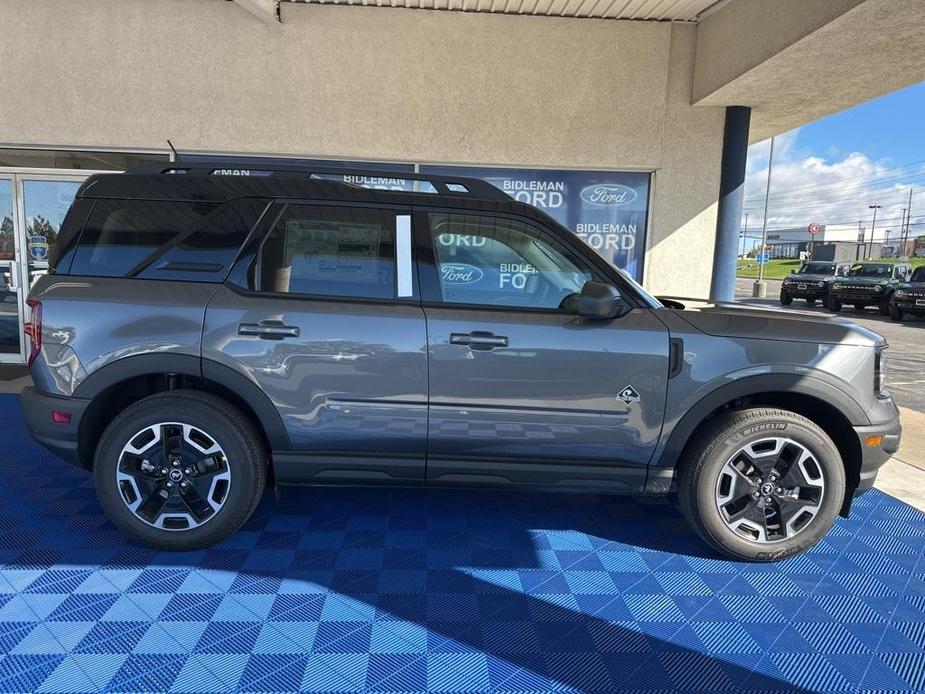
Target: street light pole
[
  {"x": 873, "y": 227},
  {"x": 760, "y": 289}
]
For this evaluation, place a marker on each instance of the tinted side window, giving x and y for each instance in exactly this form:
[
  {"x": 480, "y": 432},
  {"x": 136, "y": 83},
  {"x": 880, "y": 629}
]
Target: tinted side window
[
  {"x": 330, "y": 251},
  {"x": 503, "y": 262},
  {"x": 163, "y": 240}
]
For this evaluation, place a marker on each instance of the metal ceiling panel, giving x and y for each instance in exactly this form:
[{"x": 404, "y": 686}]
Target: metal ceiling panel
[{"x": 647, "y": 10}]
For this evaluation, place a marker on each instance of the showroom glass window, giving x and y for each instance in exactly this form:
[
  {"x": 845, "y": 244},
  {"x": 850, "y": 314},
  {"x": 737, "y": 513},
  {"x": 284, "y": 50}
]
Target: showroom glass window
[
  {"x": 501, "y": 262},
  {"x": 330, "y": 251},
  {"x": 608, "y": 210}
]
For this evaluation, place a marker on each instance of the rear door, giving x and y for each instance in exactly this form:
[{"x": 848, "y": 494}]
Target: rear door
[
  {"x": 322, "y": 313},
  {"x": 523, "y": 391}
]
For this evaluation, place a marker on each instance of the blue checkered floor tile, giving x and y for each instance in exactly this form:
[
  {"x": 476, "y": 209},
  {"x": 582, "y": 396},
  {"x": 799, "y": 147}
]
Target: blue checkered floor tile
[{"x": 340, "y": 590}]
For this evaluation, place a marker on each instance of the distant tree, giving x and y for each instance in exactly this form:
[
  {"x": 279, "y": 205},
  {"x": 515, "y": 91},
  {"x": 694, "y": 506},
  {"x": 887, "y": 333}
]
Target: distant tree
[{"x": 6, "y": 238}]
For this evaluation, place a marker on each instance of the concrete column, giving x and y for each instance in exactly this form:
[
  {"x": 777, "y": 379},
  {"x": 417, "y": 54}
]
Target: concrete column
[{"x": 729, "y": 213}]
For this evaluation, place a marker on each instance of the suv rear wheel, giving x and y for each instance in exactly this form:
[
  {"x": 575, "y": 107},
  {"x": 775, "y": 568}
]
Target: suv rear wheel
[
  {"x": 762, "y": 484},
  {"x": 179, "y": 470}
]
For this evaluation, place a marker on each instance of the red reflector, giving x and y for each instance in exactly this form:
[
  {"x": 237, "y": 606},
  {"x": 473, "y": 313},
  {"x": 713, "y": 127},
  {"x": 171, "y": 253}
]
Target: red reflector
[{"x": 61, "y": 417}]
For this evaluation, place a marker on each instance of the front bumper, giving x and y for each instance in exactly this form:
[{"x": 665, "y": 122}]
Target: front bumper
[
  {"x": 873, "y": 457},
  {"x": 811, "y": 292},
  {"x": 59, "y": 438},
  {"x": 866, "y": 298},
  {"x": 909, "y": 305}
]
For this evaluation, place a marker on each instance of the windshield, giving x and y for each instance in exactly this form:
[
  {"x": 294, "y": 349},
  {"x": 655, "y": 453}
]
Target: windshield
[
  {"x": 817, "y": 269},
  {"x": 918, "y": 275},
  {"x": 880, "y": 270}
]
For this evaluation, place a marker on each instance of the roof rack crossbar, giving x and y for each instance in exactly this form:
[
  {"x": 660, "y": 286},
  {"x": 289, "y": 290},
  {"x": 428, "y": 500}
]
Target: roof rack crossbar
[{"x": 447, "y": 185}]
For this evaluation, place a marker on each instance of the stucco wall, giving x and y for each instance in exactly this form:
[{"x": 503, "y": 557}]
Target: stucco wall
[{"x": 376, "y": 83}]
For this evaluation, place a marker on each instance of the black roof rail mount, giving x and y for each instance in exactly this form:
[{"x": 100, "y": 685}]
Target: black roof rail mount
[{"x": 446, "y": 185}]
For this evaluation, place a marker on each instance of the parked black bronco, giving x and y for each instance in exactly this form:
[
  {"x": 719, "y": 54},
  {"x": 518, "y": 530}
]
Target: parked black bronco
[
  {"x": 811, "y": 282},
  {"x": 909, "y": 297},
  {"x": 868, "y": 284},
  {"x": 201, "y": 334}
]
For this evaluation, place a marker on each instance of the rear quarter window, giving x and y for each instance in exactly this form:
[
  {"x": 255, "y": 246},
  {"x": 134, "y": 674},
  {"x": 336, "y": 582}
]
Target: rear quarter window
[{"x": 191, "y": 241}]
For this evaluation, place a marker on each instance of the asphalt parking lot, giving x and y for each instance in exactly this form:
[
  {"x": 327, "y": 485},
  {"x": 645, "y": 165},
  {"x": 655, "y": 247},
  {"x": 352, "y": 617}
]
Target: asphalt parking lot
[{"x": 906, "y": 365}]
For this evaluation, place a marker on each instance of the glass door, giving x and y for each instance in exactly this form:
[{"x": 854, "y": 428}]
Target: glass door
[
  {"x": 32, "y": 207},
  {"x": 11, "y": 337},
  {"x": 44, "y": 200}
]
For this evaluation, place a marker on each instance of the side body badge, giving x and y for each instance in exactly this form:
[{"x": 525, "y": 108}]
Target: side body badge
[{"x": 628, "y": 395}]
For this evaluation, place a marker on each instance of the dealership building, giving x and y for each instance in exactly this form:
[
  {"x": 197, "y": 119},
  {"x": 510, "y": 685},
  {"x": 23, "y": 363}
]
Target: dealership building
[{"x": 626, "y": 120}]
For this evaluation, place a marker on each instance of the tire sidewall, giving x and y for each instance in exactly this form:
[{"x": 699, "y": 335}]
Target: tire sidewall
[
  {"x": 734, "y": 438},
  {"x": 228, "y": 434}
]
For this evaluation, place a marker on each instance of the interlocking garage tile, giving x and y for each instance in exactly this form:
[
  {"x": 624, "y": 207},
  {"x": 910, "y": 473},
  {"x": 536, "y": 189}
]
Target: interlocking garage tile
[{"x": 412, "y": 590}]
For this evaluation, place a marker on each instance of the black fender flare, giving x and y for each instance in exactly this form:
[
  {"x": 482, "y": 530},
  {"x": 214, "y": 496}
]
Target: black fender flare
[
  {"x": 188, "y": 365},
  {"x": 755, "y": 385}
]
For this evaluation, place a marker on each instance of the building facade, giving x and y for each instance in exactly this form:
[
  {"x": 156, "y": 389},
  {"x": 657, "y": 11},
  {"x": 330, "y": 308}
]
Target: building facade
[{"x": 611, "y": 118}]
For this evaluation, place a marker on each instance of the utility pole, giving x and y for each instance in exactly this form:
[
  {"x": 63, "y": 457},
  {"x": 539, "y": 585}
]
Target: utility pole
[
  {"x": 859, "y": 242},
  {"x": 873, "y": 228},
  {"x": 745, "y": 235},
  {"x": 902, "y": 236},
  {"x": 760, "y": 289},
  {"x": 908, "y": 219}
]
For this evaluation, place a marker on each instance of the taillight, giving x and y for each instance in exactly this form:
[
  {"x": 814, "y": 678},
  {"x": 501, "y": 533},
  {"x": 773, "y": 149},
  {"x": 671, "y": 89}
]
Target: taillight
[{"x": 33, "y": 328}]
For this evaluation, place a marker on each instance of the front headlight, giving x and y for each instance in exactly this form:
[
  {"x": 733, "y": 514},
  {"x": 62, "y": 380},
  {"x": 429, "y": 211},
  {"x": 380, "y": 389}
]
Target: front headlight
[
  {"x": 879, "y": 287},
  {"x": 900, "y": 293},
  {"x": 880, "y": 372},
  {"x": 820, "y": 284}
]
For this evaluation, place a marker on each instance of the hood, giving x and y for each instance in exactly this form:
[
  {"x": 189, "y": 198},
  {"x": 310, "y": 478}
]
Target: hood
[
  {"x": 740, "y": 321},
  {"x": 864, "y": 281},
  {"x": 914, "y": 286},
  {"x": 808, "y": 277}
]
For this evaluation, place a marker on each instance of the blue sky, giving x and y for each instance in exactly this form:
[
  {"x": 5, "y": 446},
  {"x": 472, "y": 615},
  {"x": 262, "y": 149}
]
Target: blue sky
[{"x": 829, "y": 171}]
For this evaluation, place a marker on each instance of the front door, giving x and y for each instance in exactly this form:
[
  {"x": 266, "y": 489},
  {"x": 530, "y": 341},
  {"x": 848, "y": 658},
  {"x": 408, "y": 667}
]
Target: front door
[
  {"x": 32, "y": 207},
  {"x": 327, "y": 322},
  {"x": 523, "y": 391}
]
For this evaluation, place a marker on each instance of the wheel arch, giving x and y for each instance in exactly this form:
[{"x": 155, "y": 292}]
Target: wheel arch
[
  {"x": 820, "y": 402},
  {"x": 125, "y": 381}
]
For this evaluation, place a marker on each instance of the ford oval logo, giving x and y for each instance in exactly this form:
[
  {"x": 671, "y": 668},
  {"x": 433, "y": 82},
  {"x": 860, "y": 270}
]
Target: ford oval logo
[
  {"x": 608, "y": 194},
  {"x": 460, "y": 273}
]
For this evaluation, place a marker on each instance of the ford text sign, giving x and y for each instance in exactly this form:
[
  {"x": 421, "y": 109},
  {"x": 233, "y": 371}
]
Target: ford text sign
[{"x": 608, "y": 194}]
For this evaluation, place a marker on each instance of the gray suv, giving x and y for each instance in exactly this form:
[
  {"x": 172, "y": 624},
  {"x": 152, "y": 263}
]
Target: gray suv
[{"x": 202, "y": 334}]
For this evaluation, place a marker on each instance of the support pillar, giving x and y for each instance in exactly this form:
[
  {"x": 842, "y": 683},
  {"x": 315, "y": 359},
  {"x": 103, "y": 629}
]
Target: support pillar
[{"x": 729, "y": 216}]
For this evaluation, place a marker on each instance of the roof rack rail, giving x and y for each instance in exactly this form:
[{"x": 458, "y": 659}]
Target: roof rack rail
[{"x": 446, "y": 185}]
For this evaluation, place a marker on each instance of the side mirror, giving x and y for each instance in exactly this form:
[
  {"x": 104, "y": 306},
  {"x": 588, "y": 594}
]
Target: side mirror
[{"x": 600, "y": 301}]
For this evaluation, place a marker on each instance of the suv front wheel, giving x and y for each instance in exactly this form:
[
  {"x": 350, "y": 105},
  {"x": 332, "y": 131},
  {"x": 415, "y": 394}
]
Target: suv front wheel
[
  {"x": 762, "y": 484},
  {"x": 179, "y": 470}
]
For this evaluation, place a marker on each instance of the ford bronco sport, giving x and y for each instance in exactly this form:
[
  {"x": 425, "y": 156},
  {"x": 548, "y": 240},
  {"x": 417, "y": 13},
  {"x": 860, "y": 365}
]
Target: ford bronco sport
[
  {"x": 811, "y": 282},
  {"x": 201, "y": 334}
]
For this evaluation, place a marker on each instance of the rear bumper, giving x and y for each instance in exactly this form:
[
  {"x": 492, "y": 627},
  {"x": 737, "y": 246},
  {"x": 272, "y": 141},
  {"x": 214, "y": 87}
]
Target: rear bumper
[
  {"x": 873, "y": 457},
  {"x": 60, "y": 439}
]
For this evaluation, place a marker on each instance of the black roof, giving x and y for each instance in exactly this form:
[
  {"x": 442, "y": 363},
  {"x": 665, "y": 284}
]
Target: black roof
[{"x": 160, "y": 181}]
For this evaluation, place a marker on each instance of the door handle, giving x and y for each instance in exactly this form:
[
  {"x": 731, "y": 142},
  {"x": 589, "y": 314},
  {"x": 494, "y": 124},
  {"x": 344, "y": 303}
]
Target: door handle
[
  {"x": 478, "y": 340},
  {"x": 268, "y": 330}
]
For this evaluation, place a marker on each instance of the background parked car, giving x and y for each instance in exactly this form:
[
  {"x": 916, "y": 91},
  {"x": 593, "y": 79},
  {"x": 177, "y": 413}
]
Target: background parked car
[
  {"x": 909, "y": 297},
  {"x": 812, "y": 281},
  {"x": 868, "y": 284}
]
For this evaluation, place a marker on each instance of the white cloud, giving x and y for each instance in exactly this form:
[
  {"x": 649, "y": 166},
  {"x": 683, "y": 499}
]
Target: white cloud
[{"x": 808, "y": 188}]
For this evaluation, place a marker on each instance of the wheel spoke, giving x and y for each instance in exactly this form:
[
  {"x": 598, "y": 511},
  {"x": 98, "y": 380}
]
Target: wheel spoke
[{"x": 150, "y": 508}]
